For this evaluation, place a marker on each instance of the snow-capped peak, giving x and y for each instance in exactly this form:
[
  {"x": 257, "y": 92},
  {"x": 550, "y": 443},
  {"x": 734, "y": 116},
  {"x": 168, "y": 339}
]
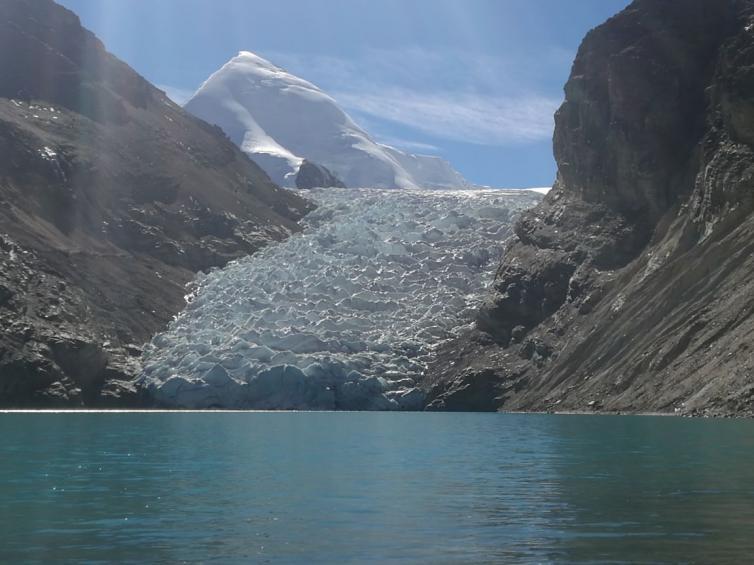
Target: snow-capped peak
[
  {"x": 280, "y": 120},
  {"x": 255, "y": 59}
]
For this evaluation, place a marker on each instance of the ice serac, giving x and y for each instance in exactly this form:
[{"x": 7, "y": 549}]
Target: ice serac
[
  {"x": 631, "y": 287},
  {"x": 344, "y": 315},
  {"x": 280, "y": 120}
]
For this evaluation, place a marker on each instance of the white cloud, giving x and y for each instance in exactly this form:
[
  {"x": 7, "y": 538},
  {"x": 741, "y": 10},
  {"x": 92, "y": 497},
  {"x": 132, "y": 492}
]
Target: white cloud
[
  {"x": 417, "y": 67},
  {"x": 465, "y": 117},
  {"x": 406, "y": 144},
  {"x": 178, "y": 95},
  {"x": 430, "y": 92}
]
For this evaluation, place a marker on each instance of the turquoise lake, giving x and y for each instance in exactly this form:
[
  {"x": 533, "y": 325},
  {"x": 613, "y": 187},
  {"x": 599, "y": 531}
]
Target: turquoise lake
[{"x": 373, "y": 488}]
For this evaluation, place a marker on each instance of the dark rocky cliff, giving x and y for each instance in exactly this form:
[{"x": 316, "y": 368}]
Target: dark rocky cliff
[
  {"x": 311, "y": 175},
  {"x": 111, "y": 198},
  {"x": 631, "y": 287}
]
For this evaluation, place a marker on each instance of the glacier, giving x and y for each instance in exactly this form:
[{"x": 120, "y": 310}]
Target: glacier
[
  {"x": 344, "y": 315},
  {"x": 279, "y": 120}
]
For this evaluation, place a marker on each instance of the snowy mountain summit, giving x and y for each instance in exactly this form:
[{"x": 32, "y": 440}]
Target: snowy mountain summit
[{"x": 281, "y": 120}]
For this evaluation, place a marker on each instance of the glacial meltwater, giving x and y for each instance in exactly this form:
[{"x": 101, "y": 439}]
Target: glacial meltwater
[{"x": 374, "y": 487}]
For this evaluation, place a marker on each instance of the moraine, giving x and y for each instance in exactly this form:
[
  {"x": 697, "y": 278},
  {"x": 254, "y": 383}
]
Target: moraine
[{"x": 343, "y": 316}]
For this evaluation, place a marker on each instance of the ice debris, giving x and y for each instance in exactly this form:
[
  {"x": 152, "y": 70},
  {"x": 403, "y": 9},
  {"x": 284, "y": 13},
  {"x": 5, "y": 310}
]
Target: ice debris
[{"x": 342, "y": 316}]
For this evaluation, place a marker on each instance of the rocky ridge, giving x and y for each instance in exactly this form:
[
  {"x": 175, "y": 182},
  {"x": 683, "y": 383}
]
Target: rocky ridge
[
  {"x": 111, "y": 198},
  {"x": 310, "y": 175},
  {"x": 631, "y": 287}
]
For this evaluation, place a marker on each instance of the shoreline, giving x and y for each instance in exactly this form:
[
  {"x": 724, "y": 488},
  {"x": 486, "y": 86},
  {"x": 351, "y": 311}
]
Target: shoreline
[{"x": 10, "y": 411}]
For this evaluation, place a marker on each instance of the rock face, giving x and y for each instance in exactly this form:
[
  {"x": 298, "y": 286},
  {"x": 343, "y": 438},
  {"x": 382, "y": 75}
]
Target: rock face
[
  {"x": 311, "y": 175},
  {"x": 631, "y": 287},
  {"x": 111, "y": 197}
]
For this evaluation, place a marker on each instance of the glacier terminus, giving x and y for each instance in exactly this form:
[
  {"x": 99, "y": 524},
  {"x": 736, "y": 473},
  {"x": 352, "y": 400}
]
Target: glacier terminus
[{"x": 342, "y": 316}]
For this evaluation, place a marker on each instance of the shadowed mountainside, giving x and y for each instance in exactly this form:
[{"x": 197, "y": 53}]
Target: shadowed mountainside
[
  {"x": 111, "y": 198},
  {"x": 631, "y": 287}
]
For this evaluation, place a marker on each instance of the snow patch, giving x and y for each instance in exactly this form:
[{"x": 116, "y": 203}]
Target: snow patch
[{"x": 544, "y": 190}]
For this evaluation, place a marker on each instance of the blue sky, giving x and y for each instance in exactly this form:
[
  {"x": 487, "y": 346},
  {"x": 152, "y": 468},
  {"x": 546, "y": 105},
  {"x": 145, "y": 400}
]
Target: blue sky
[{"x": 475, "y": 81}]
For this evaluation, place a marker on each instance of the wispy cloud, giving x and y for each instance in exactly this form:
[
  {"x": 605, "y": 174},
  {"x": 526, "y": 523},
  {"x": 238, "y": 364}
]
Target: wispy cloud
[
  {"x": 465, "y": 117},
  {"x": 406, "y": 144},
  {"x": 178, "y": 95},
  {"x": 417, "y": 66},
  {"x": 459, "y": 96}
]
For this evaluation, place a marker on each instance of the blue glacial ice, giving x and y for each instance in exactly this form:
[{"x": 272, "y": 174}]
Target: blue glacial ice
[{"x": 344, "y": 315}]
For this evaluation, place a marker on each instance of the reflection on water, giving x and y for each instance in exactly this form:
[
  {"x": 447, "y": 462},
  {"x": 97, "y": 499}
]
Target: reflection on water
[{"x": 327, "y": 487}]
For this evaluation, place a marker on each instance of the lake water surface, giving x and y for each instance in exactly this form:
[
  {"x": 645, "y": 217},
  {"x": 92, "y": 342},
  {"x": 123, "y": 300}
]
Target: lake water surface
[{"x": 374, "y": 487}]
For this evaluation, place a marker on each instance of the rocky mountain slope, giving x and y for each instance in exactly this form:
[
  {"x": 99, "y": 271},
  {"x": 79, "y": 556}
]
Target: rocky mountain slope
[
  {"x": 631, "y": 287},
  {"x": 111, "y": 198},
  {"x": 281, "y": 120}
]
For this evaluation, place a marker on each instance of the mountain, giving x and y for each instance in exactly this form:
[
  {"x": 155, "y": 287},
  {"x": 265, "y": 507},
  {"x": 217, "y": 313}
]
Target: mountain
[
  {"x": 111, "y": 198},
  {"x": 280, "y": 120},
  {"x": 631, "y": 286}
]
